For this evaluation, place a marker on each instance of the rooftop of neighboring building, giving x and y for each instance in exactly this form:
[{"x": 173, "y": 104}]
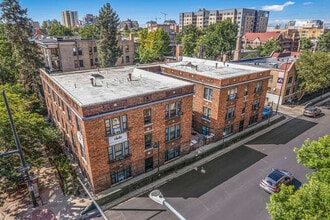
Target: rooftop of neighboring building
[
  {"x": 213, "y": 69},
  {"x": 276, "y": 61},
  {"x": 93, "y": 86},
  {"x": 263, "y": 37}
]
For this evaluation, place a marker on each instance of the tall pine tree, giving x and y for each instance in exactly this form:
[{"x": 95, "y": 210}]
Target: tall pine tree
[
  {"x": 107, "y": 44},
  {"x": 17, "y": 30}
]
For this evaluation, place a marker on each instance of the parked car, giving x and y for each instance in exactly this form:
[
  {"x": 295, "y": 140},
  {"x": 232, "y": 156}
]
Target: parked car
[
  {"x": 312, "y": 111},
  {"x": 267, "y": 112},
  {"x": 272, "y": 182}
]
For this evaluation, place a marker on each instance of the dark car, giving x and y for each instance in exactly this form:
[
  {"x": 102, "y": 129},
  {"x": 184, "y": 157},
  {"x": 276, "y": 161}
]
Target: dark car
[
  {"x": 312, "y": 111},
  {"x": 272, "y": 182},
  {"x": 267, "y": 112}
]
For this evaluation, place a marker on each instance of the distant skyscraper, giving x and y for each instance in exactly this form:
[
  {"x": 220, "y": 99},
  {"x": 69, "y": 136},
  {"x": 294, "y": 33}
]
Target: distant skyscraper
[
  {"x": 70, "y": 18},
  {"x": 88, "y": 19},
  {"x": 248, "y": 20}
]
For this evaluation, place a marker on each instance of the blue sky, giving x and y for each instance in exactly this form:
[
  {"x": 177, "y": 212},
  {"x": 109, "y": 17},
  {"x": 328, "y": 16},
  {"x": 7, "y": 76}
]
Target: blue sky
[{"x": 146, "y": 10}]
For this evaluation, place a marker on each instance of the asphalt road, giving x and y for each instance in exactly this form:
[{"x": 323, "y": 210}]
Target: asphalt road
[{"x": 227, "y": 187}]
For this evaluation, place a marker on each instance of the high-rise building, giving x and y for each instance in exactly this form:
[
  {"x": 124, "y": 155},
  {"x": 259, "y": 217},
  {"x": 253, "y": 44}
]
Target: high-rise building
[
  {"x": 70, "y": 18},
  {"x": 248, "y": 20},
  {"x": 89, "y": 19}
]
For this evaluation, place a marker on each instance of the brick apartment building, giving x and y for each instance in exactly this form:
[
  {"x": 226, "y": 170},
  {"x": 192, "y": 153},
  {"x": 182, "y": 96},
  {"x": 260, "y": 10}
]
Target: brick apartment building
[
  {"x": 283, "y": 85},
  {"x": 112, "y": 118},
  {"x": 228, "y": 97},
  {"x": 72, "y": 54}
]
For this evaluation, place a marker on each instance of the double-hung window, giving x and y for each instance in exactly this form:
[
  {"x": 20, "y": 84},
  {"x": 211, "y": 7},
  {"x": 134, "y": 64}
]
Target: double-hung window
[
  {"x": 230, "y": 113},
  {"x": 173, "y": 109},
  {"x": 258, "y": 88},
  {"x": 147, "y": 141},
  {"x": 172, "y": 153},
  {"x": 232, "y": 94},
  {"x": 147, "y": 116},
  {"x": 206, "y": 113},
  {"x": 121, "y": 174},
  {"x": 172, "y": 133},
  {"x": 118, "y": 151},
  {"x": 228, "y": 130},
  {"x": 208, "y": 94},
  {"x": 116, "y": 125},
  {"x": 255, "y": 104}
]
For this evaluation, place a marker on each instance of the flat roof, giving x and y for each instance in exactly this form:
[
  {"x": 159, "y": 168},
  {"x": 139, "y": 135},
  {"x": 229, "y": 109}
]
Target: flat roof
[
  {"x": 268, "y": 62},
  {"x": 213, "y": 69},
  {"x": 112, "y": 84}
]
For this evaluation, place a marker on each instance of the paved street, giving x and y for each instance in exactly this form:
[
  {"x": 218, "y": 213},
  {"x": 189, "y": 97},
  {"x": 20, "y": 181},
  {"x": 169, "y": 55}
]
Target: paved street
[{"x": 227, "y": 187}]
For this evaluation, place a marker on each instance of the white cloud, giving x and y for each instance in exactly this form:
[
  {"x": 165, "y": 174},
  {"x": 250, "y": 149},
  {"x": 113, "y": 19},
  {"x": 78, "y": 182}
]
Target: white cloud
[
  {"x": 276, "y": 7},
  {"x": 307, "y": 3}
]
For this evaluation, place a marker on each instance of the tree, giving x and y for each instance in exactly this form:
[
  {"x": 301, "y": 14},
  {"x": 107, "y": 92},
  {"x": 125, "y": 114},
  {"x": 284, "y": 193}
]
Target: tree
[
  {"x": 305, "y": 44},
  {"x": 56, "y": 29},
  {"x": 152, "y": 46},
  {"x": 220, "y": 39},
  {"x": 89, "y": 31},
  {"x": 8, "y": 69},
  {"x": 17, "y": 31},
  {"x": 324, "y": 43},
  {"x": 313, "y": 71},
  {"x": 188, "y": 38},
  {"x": 44, "y": 24},
  {"x": 269, "y": 47},
  {"x": 107, "y": 44},
  {"x": 312, "y": 199}
]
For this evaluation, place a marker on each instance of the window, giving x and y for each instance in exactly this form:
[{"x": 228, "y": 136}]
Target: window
[
  {"x": 74, "y": 51},
  {"x": 90, "y": 50},
  {"x": 230, "y": 113},
  {"x": 127, "y": 59},
  {"x": 118, "y": 151},
  {"x": 255, "y": 104},
  {"x": 205, "y": 130},
  {"x": 290, "y": 80},
  {"x": 76, "y": 64},
  {"x": 228, "y": 130},
  {"x": 78, "y": 123},
  {"x": 69, "y": 113},
  {"x": 253, "y": 119},
  {"x": 173, "y": 133},
  {"x": 147, "y": 116},
  {"x": 173, "y": 109},
  {"x": 116, "y": 125},
  {"x": 258, "y": 88},
  {"x": 54, "y": 96},
  {"x": 206, "y": 113},
  {"x": 95, "y": 49},
  {"x": 244, "y": 107},
  {"x": 208, "y": 94},
  {"x": 81, "y": 63},
  {"x": 232, "y": 94},
  {"x": 147, "y": 141},
  {"x": 79, "y": 51},
  {"x": 91, "y": 62},
  {"x": 126, "y": 48},
  {"x": 82, "y": 150},
  {"x": 173, "y": 153},
  {"x": 121, "y": 174},
  {"x": 287, "y": 92},
  {"x": 73, "y": 138},
  {"x": 246, "y": 91}
]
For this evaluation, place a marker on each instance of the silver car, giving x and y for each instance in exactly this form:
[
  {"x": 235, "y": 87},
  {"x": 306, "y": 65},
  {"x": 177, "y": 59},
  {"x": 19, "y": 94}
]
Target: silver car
[
  {"x": 312, "y": 111},
  {"x": 272, "y": 182}
]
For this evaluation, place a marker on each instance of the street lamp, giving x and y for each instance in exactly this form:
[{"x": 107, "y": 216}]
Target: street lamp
[
  {"x": 158, "y": 197},
  {"x": 156, "y": 145}
]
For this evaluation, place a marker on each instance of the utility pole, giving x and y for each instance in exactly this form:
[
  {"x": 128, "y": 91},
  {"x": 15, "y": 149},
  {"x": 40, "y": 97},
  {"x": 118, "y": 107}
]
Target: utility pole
[{"x": 24, "y": 169}]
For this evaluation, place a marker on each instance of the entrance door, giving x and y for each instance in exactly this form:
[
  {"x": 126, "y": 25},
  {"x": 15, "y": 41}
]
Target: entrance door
[
  {"x": 148, "y": 164},
  {"x": 241, "y": 126}
]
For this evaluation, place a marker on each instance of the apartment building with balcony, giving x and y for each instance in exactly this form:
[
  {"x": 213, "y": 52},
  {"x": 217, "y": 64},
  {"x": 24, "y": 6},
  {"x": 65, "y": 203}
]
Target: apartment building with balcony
[
  {"x": 228, "y": 97},
  {"x": 70, "y": 18},
  {"x": 248, "y": 20},
  {"x": 112, "y": 118},
  {"x": 73, "y": 54}
]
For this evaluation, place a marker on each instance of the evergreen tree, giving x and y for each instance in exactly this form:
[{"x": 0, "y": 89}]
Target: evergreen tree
[
  {"x": 107, "y": 44},
  {"x": 17, "y": 30}
]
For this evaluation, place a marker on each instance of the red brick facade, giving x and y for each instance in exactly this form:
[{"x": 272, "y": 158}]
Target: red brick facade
[{"x": 97, "y": 164}]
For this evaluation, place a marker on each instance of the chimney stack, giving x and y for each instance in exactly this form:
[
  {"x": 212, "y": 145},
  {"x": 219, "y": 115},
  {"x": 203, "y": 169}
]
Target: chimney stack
[{"x": 130, "y": 76}]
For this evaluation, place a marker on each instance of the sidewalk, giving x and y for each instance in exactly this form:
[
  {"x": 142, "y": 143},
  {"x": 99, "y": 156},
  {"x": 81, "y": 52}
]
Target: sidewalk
[{"x": 52, "y": 203}]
